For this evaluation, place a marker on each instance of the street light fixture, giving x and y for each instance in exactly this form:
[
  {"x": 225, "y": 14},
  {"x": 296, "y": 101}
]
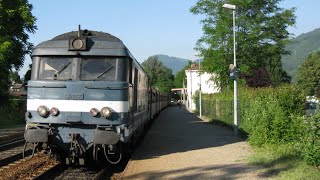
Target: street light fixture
[
  {"x": 200, "y": 101},
  {"x": 233, "y": 8}
]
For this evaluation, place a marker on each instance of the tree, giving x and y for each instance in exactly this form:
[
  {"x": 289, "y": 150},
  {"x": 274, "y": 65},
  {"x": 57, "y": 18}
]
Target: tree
[
  {"x": 16, "y": 21},
  {"x": 27, "y": 76},
  {"x": 14, "y": 77},
  {"x": 160, "y": 77},
  {"x": 308, "y": 79},
  {"x": 261, "y": 35},
  {"x": 180, "y": 76}
]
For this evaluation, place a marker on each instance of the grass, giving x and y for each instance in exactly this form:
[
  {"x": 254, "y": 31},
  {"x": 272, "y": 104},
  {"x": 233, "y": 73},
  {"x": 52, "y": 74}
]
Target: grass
[{"x": 282, "y": 162}]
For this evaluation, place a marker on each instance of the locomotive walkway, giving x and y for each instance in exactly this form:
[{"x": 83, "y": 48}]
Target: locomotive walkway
[{"x": 179, "y": 145}]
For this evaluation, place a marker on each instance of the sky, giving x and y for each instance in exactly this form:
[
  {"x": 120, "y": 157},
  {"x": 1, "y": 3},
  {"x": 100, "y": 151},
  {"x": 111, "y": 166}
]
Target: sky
[{"x": 147, "y": 27}]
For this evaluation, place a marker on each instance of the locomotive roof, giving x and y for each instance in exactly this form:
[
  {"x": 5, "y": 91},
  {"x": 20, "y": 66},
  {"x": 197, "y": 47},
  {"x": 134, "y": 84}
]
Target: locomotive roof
[
  {"x": 92, "y": 34},
  {"x": 98, "y": 43}
]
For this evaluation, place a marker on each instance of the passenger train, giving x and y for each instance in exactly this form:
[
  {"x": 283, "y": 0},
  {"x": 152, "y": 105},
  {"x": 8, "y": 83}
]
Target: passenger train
[{"x": 88, "y": 97}]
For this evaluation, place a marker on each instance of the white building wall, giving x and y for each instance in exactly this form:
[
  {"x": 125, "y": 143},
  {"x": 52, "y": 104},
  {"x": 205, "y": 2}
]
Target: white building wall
[{"x": 193, "y": 85}]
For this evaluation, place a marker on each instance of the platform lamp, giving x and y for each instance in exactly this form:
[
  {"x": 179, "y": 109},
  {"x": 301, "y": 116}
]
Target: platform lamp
[{"x": 233, "y": 8}]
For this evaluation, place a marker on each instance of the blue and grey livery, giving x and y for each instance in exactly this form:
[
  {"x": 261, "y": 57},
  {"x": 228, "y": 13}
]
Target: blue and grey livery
[{"x": 88, "y": 93}]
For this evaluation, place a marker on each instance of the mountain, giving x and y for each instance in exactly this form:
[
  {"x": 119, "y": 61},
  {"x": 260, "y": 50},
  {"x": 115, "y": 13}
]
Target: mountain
[
  {"x": 174, "y": 63},
  {"x": 300, "y": 47}
]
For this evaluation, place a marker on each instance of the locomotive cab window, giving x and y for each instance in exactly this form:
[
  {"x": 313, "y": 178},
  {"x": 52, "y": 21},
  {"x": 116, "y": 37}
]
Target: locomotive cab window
[
  {"x": 55, "y": 68},
  {"x": 99, "y": 69}
]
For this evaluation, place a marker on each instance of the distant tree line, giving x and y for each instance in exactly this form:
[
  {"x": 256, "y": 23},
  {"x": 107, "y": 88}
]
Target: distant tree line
[{"x": 160, "y": 77}]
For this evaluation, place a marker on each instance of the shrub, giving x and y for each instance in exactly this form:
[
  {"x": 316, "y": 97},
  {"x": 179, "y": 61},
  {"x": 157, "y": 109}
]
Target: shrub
[
  {"x": 311, "y": 141},
  {"x": 12, "y": 113}
]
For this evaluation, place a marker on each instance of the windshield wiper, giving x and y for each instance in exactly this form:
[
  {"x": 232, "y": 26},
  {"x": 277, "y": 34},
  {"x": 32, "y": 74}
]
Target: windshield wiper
[
  {"x": 104, "y": 72},
  {"x": 63, "y": 68}
]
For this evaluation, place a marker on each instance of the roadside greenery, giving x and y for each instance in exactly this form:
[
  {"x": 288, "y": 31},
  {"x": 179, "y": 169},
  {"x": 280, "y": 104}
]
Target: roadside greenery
[
  {"x": 270, "y": 117},
  {"x": 12, "y": 112},
  {"x": 279, "y": 162}
]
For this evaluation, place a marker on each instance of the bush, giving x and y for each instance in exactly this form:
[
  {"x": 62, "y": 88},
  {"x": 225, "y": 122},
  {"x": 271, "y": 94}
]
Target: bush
[
  {"x": 271, "y": 117},
  {"x": 311, "y": 141},
  {"x": 12, "y": 113},
  {"x": 268, "y": 115}
]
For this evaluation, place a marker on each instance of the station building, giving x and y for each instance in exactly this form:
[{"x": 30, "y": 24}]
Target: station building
[{"x": 196, "y": 79}]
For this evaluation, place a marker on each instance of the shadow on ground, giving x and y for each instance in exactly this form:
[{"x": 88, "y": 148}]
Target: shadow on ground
[
  {"x": 178, "y": 130},
  {"x": 225, "y": 172}
]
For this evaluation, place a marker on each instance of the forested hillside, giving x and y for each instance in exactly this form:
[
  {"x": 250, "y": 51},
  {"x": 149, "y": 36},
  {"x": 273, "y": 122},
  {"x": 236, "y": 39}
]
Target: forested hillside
[
  {"x": 300, "y": 47},
  {"x": 174, "y": 63}
]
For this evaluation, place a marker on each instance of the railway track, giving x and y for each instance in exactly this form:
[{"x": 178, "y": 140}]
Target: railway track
[
  {"x": 63, "y": 172},
  {"x": 41, "y": 166},
  {"x": 12, "y": 151}
]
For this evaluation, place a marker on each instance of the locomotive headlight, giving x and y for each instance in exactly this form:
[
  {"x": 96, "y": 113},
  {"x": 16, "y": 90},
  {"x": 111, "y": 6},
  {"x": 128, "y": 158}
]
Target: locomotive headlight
[
  {"x": 106, "y": 112},
  {"x": 94, "y": 112},
  {"x": 54, "y": 111},
  {"x": 77, "y": 44},
  {"x": 43, "y": 111}
]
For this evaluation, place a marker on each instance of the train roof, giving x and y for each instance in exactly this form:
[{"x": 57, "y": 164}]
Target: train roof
[
  {"x": 93, "y": 34},
  {"x": 98, "y": 44}
]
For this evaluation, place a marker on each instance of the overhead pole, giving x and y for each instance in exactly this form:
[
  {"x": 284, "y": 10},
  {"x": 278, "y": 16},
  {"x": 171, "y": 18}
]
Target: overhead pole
[{"x": 235, "y": 106}]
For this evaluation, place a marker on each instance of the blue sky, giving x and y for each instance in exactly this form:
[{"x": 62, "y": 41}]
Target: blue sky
[{"x": 147, "y": 27}]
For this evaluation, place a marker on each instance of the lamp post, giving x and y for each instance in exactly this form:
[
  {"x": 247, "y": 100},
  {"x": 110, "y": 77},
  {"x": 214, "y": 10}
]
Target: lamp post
[
  {"x": 233, "y": 8},
  {"x": 200, "y": 106}
]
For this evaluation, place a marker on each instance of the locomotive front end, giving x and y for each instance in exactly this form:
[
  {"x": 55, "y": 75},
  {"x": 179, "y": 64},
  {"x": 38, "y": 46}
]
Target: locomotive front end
[{"x": 78, "y": 96}]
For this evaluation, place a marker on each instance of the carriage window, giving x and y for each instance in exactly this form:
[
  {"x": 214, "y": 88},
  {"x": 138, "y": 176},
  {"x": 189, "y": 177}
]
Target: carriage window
[
  {"x": 55, "y": 68},
  {"x": 99, "y": 69}
]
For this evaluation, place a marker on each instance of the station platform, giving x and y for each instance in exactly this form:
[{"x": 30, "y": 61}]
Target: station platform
[{"x": 179, "y": 145}]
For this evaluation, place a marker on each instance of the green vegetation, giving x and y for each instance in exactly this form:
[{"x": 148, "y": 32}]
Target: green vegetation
[
  {"x": 173, "y": 63},
  {"x": 160, "y": 77},
  {"x": 300, "y": 47},
  {"x": 180, "y": 76},
  {"x": 16, "y": 21},
  {"x": 309, "y": 75},
  {"x": 12, "y": 112},
  {"x": 27, "y": 76},
  {"x": 278, "y": 162},
  {"x": 261, "y": 37},
  {"x": 273, "y": 120}
]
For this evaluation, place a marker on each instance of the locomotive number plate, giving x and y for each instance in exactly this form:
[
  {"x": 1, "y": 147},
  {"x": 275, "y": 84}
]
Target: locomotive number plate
[
  {"x": 74, "y": 96},
  {"x": 73, "y": 114}
]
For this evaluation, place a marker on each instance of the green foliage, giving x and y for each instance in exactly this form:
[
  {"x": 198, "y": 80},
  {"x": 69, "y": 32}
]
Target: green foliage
[
  {"x": 261, "y": 37},
  {"x": 173, "y": 63},
  {"x": 300, "y": 47},
  {"x": 14, "y": 77},
  {"x": 12, "y": 112},
  {"x": 309, "y": 75},
  {"x": 160, "y": 77},
  {"x": 180, "y": 77},
  {"x": 27, "y": 76},
  {"x": 311, "y": 141},
  {"x": 270, "y": 117},
  {"x": 16, "y": 21}
]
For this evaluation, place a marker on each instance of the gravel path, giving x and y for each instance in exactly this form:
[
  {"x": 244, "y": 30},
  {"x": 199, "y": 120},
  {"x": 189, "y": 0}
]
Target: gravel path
[{"x": 179, "y": 145}]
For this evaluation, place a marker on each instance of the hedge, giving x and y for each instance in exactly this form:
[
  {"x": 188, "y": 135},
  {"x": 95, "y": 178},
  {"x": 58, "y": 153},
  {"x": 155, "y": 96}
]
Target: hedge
[{"x": 268, "y": 116}]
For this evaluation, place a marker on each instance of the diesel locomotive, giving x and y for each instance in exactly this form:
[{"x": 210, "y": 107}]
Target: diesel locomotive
[{"x": 88, "y": 97}]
